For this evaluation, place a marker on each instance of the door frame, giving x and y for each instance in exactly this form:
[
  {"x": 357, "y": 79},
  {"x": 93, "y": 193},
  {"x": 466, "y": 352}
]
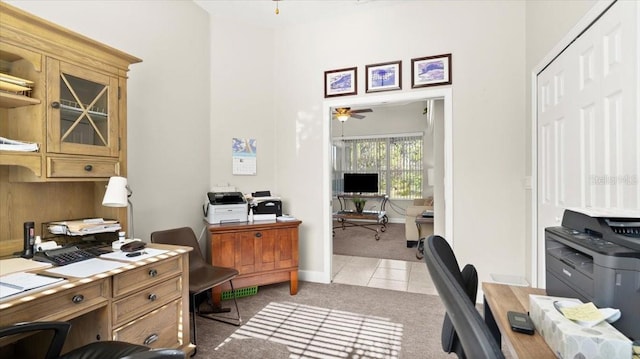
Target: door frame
[
  {"x": 440, "y": 93},
  {"x": 537, "y": 243}
]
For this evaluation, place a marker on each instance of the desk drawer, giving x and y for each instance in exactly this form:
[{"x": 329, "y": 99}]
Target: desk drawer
[
  {"x": 82, "y": 167},
  {"x": 146, "y": 300},
  {"x": 158, "y": 329},
  {"x": 135, "y": 279},
  {"x": 69, "y": 303}
]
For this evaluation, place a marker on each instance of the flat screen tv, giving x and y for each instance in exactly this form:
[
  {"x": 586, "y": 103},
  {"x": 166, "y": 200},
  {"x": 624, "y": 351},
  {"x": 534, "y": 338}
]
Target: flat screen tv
[{"x": 361, "y": 183}]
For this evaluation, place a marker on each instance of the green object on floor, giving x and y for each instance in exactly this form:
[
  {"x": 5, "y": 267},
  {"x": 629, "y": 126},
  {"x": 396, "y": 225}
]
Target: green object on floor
[{"x": 242, "y": 292}]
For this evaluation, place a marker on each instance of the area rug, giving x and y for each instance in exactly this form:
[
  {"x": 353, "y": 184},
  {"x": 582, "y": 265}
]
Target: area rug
[
  {"x": 361, "y": 242},
  {"x": 314, "y": 332}
]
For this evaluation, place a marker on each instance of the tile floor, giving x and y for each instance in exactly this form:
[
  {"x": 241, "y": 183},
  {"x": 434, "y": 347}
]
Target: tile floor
[{"x": 383, "y": 273}]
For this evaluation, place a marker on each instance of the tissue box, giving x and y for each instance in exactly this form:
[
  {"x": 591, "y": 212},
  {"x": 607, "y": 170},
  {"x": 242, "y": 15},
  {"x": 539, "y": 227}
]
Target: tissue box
[{"x": 570, "y": 340}]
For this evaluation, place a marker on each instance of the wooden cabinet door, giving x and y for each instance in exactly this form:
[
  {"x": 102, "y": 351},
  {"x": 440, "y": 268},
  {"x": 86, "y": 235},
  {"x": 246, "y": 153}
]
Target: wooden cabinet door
[
  {"x": 266, "y": 249},
  {"x": 245, "y": 253},
  {"x": 286, "y": 248},
  {"x": 223, "y": 250},
  {"x": 82, "y": 111}
]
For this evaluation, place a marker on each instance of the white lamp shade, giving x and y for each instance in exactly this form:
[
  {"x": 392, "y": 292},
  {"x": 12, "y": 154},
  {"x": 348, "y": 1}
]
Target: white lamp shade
[{"x": 116, "y": 194}]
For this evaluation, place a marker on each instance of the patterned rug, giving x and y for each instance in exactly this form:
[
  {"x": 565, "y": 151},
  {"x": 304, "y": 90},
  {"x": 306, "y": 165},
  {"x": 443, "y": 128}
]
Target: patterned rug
[{"x": 314, "y": 332}]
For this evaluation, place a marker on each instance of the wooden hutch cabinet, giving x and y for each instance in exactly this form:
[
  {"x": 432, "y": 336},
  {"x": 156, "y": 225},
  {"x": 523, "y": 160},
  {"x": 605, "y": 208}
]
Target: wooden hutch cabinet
[
  {"x": 75, "y": 108},
  {"x": 264, "y": 252},
  {"x": 68, "y": 94}
]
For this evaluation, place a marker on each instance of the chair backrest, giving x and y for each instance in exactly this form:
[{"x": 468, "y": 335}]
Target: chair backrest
[
  {"x": 60, "y": 332},
  {"x": 183, "y": 236},
  {"x": 450, "y": 340},
  {"x": 472, "y": 331}
]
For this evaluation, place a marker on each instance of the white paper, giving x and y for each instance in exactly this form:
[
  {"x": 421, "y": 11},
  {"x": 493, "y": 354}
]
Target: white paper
[
  {"x": 86, "y": 268},
  {"x": 20, "y": 282}
]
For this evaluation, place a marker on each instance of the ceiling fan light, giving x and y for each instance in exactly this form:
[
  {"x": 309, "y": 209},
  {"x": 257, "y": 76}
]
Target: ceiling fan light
[{"x": 342, "y": 117}]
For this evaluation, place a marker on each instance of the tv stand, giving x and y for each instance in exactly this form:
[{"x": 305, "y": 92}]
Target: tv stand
[{"x": 374, "y": 220}]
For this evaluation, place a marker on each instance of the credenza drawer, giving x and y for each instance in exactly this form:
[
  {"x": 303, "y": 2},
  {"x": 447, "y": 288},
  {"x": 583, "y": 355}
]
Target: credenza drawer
[
  {"x": 67, "y": 303},
  {"x": 158, "y": 329},
  {"x": 135, "y": 279},
  {"x": 146, "y": 300}
]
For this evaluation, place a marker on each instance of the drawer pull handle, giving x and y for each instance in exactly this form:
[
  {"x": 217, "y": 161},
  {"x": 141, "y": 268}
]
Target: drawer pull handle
[
  {"x": 77, "y": 299},
  {"x": 152, "y": 297},
  {"x": 150, "y": 339},
  {"x": 55, "y": 104},
  {"x": 153, "y": 273},
  {"x": 88, "y": 168},
  {"x": 258, "y": 234}
]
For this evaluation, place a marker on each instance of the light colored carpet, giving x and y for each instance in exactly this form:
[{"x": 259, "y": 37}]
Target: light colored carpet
[
  {"x": 416, "y": 319},
  {"x": 316, "y": 332}
]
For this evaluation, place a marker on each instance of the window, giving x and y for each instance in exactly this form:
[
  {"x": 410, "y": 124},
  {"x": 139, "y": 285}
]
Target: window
[{"x": 396, "y": 158}]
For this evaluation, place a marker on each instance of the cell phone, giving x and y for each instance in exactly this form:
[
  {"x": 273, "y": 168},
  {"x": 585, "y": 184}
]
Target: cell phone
[{"x": 520, "y": 322}]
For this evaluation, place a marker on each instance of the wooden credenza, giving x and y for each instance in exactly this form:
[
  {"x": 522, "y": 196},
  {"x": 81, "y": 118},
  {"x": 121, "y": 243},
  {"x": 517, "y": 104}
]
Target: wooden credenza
[
  {"x": 145, "y": 302},
  {"x": 264, "y": 252}
]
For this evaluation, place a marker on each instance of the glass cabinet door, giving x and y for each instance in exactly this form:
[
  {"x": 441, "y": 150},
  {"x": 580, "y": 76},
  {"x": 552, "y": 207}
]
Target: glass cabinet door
[{"x": 82, "y": 111}]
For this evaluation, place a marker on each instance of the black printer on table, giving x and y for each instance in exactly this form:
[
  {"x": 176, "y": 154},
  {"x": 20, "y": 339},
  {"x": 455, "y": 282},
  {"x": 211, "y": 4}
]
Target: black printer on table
[
  {"x": 264, "y": 203},
  {"x": 596, "y": 258}
]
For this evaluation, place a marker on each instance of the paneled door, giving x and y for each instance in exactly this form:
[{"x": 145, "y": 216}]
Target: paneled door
[{"x": 588, "y": 123}]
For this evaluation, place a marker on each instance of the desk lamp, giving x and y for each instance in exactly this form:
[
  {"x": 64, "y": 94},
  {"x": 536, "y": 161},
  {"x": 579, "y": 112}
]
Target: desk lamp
[{"x": 117, "y": 195}]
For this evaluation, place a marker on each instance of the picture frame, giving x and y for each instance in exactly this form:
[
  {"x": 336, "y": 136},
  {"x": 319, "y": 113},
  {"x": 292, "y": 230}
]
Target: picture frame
[
  {"x": 341, "y": 82},
  {"x": 431, "y": 71},
  {"x": 386, "y": 76}
]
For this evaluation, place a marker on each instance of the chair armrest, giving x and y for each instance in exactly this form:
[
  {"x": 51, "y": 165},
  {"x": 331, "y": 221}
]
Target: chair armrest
[{"x": 158, "y": 354}]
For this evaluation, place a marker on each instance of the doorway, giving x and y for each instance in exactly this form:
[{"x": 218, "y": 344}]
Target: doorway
[{"x": 443, "y": 226}]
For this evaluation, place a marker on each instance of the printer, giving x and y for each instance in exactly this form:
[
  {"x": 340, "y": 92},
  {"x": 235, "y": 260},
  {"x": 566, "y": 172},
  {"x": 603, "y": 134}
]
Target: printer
[
  {"x": 595, "y": 257},
  {"x": 224, "y": 207},
  {"x": 263, "y": 203}
]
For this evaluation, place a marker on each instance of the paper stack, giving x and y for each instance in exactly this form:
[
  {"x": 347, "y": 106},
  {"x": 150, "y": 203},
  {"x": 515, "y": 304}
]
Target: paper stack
[
  {"x": 84, "y": 226},
  {"x": 15, "y": 85},
  {"x": 14, "y": 145}
]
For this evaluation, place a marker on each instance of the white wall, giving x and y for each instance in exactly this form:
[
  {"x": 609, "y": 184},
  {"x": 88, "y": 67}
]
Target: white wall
[
  {"x": 168, "y": 99},
  {"x": 242, "y": 101},
  {"x": 486, "y": 39}
]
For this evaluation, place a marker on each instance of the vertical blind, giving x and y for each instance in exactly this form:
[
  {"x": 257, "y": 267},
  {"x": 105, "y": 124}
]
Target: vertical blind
[{"x": 396, "y": 158}]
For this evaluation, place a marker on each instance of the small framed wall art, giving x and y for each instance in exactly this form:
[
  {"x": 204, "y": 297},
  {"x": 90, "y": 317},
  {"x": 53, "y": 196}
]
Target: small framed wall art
[
  {"x": 384, "y": 76},
  {"x": 341, "y": 82},
  {"x": 431, "y": 71}
]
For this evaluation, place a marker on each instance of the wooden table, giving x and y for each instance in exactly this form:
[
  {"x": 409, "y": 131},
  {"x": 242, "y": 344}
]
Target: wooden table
[{"x": 498, "y": 300}]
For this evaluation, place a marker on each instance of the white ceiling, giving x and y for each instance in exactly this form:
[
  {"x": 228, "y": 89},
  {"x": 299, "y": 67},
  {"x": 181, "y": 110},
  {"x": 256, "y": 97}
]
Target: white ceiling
[{"x": 262, "y": 12}]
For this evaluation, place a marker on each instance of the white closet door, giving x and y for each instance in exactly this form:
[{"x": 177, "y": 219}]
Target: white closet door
[{"x": 588, "y": 123}]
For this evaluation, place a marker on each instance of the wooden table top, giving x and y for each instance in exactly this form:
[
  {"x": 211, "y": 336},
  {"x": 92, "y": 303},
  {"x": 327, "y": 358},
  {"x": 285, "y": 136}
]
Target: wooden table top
[{"x": 503, "y": 298}]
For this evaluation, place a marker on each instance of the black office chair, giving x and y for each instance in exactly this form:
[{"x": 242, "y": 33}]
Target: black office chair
[
  {"x": 470, "y": 329},
  {"x": 95, "y": 350},
  {"x": 202, "y": 275}
]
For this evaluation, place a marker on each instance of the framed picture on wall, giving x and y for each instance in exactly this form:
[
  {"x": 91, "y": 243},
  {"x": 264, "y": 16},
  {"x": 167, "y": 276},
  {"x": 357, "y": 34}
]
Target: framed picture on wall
[
  {"x": 385, "y": 76},
  {"x": 431, "y": 71},
  {"x": 341, "y": 82}
]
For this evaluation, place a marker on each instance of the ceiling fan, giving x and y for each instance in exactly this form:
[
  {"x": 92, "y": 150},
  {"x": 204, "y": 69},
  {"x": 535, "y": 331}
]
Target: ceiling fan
[{"x": 344, "y": 113}]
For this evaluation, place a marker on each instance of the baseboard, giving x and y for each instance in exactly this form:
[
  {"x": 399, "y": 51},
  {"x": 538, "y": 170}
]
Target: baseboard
[{"x": 313, "y": 276}]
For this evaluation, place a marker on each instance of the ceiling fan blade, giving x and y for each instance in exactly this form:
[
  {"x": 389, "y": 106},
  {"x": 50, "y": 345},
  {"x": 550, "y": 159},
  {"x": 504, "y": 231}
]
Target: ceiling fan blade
[
  {"x": 359, "y": 117},
  {"x": 362, "y": 110}
]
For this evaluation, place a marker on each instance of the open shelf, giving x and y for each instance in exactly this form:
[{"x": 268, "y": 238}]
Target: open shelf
[{"x": 9, "y": 100}]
